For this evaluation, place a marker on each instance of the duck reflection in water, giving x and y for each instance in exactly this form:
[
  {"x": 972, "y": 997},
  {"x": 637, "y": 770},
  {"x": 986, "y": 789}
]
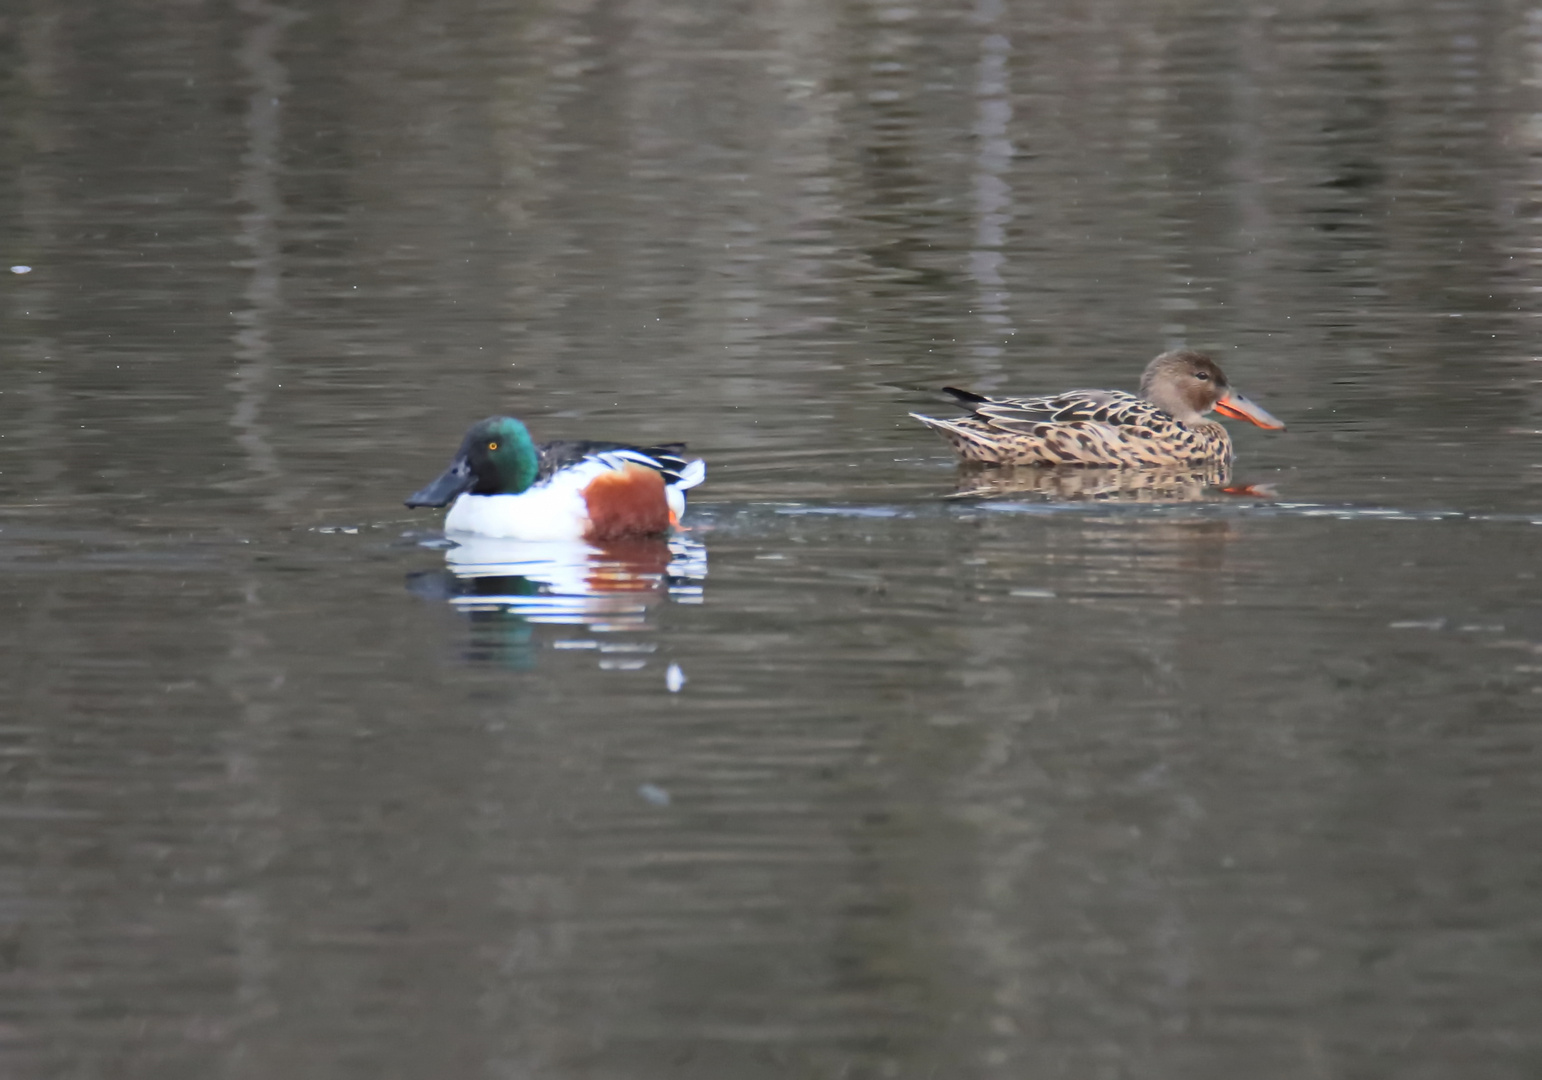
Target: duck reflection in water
[
  {"x": 506, "y": 587},
  {"x": 1195, "y": 483}
]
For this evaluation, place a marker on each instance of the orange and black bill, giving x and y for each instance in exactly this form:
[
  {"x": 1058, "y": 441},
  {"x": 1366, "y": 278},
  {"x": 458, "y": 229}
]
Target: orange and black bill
[{"x": 1240, "y": 408}]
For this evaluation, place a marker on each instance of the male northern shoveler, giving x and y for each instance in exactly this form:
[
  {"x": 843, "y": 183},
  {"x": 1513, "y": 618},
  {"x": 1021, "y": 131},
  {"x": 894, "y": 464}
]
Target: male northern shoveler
[
  {"x": 505, "y": 485},
  {"x": 1164, "y": 425}
]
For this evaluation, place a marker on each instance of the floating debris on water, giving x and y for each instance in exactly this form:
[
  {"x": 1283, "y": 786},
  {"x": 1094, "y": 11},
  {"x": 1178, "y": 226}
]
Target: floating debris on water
[{"x": 654, "y": 794}]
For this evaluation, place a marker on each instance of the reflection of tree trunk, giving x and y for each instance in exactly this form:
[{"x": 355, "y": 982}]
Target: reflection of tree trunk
[
  {"x": 259, "y": 234},
  {"x": 1516, "y": 218},
  {"x": 992, "y": 192},
  {"x": 1247, "y": 164},
  {"x": 37, "y": 199},
  {"x": 249, "y": 678}
]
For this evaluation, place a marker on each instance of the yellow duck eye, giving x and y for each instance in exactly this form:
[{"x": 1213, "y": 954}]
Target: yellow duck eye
[{"x": 492, "y": 446}]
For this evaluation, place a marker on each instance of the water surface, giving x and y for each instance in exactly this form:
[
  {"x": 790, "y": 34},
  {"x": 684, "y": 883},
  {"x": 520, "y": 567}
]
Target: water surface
[{"x": 858, "y": 780}]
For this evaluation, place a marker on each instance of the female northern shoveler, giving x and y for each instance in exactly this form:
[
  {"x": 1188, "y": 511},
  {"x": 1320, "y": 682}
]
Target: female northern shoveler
[
  {"x": 1165, "y": 425},
  {"x": 505, "y": 485}
]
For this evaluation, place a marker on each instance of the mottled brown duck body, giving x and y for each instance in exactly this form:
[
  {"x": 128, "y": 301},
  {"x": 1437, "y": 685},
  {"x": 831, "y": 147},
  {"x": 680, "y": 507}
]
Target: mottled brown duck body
[{"x": 1164, "y": 426}]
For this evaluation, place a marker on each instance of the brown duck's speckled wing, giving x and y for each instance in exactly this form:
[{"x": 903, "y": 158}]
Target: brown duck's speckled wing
[
  {"x": 1112, "y": 407},
  {"x": 1082, "y": 427}
]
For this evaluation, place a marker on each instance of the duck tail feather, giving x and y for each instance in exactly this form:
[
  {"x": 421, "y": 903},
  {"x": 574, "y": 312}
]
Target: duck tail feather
[
  {"x": 936, "y": 424},
  {"x": 690, "y": 474},
  {"x": 960, "y": 435},
  {"x": 968, "y": 397}
]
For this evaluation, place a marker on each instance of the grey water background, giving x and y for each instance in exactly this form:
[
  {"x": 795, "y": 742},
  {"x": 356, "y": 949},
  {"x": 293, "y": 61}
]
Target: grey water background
[{"x": 1028, "y": 787}]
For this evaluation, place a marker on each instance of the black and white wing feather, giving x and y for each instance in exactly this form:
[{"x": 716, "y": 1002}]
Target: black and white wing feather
[{"x": 666, "y": 458}]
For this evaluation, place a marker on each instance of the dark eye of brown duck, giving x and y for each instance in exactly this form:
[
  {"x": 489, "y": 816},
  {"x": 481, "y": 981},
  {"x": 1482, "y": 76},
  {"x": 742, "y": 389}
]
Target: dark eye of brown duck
[{"x": 1202, "y": 376}]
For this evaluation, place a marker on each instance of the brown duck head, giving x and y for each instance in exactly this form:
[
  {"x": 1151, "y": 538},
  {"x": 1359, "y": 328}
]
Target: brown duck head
[{"x": 1189, "y": 384}]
